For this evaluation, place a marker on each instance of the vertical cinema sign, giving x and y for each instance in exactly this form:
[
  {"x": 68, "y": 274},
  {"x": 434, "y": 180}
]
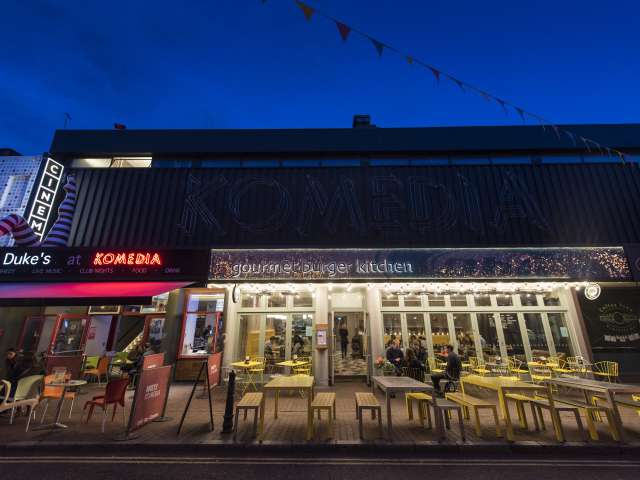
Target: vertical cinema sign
[{"x": 45, "y": 197}]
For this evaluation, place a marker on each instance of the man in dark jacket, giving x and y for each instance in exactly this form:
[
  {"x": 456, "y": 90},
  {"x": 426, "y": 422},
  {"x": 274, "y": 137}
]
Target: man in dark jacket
[
  {"x": 452, "y": 370},
  {"x": 395, "y": 355},
  {"x": 14, "y": 368}
]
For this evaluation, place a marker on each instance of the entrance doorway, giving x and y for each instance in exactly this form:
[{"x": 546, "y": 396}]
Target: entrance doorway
[{"x": 350, "y": 344}]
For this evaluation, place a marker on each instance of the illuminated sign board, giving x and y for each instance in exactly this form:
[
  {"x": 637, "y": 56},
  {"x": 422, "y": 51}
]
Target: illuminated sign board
[
  {"x": 579, "y": 263},
  {"x": 45, "y": 197},
  {"x": 93, "y": 264}
]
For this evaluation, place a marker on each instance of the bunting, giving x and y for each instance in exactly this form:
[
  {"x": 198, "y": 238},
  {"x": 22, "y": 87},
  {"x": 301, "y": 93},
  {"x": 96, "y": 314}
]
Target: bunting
[{"x": 345, "y": 31}]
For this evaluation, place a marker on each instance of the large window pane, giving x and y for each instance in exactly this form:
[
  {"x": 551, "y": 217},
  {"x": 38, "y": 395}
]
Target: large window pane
[
  {"x": 537, "y": 337},
  {"x": 275, "y": 334},
  {"x": 392, "y": 328},
  {"x": 277, "y": 300},
  {"x": 415, "y": 328},
  {"x": 412, "y": 301},
  {"x": 439, "y": 331},
  {"x": 482, "y": 300},
  {"x": 528, "y": 300},
  {"x": 504, "y": 300},
  {"x": 560, "y": 334},
  {"x": 436, "y": 300},
  {"x": 206, "y": 302},
  {"x": 512, "y": 335},
  {"x": 248, "y": 337},
  {"x": 69, "y": 337},
  {"x": 464, "y": 335},
  {"x": 390, "y": 300},
  {"x": 488, "y": 334},
  {"x": 458, "y": 300},
  {"x": 249, "y": 300},
  {"x": 301, "y": 334},
  {"x": 199, "y": 331},
  {"x": 551, "y": 300},
  {"x": 303, "y": 299}
]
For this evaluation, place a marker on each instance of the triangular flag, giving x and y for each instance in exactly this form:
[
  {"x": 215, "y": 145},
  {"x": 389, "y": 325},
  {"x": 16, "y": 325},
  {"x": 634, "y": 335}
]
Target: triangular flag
[
  {"x": 379, "y": 46},
  {"x": 344, "y": 30},
  {"x": 502, "y": 103},
  {"x": 306, "y": 9},
  {"x": 485, "y": 95},
  {"x": 572, "y": 137},
  {"x": 436, "y": 72},
  {"x": 521, "y": 113},
  {"x": 409, "y": 59},
  {"x": 459, "y": 83}
]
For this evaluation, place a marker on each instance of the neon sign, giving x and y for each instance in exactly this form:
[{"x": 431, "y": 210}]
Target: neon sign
[
  {"x": 126, "y": 258},
  {"x": 45, "y": 197}
]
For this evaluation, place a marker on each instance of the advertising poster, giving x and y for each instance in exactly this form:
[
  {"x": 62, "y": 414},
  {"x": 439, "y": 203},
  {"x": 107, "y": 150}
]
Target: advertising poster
[
  {"x": 150, "y": 396},
  {"x": 214, "y": 362},
  {"x": 613, "y": 319},
  {"x": 73, "y": 364},
  {"x": 152, "y": 361}
]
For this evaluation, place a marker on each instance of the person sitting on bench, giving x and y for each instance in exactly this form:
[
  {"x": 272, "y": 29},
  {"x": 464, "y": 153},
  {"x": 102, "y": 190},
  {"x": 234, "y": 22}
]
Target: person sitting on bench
[{"x": 452, "y": 370}]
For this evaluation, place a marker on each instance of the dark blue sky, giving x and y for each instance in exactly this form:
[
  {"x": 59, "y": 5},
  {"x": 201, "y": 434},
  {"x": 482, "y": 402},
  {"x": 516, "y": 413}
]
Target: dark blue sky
[{"x": 242, "y": 64}]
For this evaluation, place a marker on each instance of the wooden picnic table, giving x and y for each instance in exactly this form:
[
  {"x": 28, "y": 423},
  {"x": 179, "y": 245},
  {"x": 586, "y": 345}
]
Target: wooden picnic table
[
  {"x": 606, "y": 389},
  {"x": 302, "y": 383},
  {"x": 502, "y": 386},
  {"x": 392, "y": 384}
]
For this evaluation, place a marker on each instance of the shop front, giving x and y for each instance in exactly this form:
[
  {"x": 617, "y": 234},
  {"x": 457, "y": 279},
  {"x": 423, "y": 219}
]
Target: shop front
[{"x": 342, "y": 308}]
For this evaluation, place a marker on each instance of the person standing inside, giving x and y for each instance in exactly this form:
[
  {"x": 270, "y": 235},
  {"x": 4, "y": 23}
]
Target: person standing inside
[{"x": 344, "y": 339}]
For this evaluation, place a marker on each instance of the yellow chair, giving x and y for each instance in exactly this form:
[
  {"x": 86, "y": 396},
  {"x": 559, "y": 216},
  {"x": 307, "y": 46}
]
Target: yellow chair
[
  {"x": 516, "y": 367},
  {"x": 606, "y": 369},
  {"x": 563, "y": 367},
  {"x": 433, "y": 366},
  {"x": 478, "y": 367},
  {"x": 257, "y": 372},
  {"x": 578, "y": 365},
  {"x": 539, "y": 373}
]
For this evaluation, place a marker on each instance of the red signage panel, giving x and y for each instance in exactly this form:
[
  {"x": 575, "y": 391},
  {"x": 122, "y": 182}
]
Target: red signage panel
[
  {"x": 214, "y": 362},
  {"x": 150, "y": 395},
  {"x": 152, "y": 361}
]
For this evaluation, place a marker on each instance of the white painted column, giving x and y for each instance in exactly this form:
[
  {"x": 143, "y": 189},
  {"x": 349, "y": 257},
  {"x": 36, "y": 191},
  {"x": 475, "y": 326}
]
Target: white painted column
[
  {"x": 575, "y": 324},
  {"x": 375, "y": 322},
  {"x": 321, "y": 356},
  {"x": 232, "y": 330}
]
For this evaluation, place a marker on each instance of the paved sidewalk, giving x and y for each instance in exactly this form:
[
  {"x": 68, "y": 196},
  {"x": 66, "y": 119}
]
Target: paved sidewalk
[{"x": 290, "y": 428}]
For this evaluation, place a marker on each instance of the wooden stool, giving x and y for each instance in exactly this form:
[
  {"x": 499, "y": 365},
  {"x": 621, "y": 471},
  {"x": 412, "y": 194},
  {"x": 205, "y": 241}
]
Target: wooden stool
[
  {"x": 251, "y": 401},
  {"x": 467, "y": 402},
  {"x": 323, "y": 401},
  {"x": 423, "y": 399},
  {"x": 368, "y": 401},
  {"x": 442, "y": 411}
]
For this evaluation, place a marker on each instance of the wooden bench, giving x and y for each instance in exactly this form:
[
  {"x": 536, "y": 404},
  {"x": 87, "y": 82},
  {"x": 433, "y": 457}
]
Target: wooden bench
[
  {"x": 468, "y": 402},
  {"x": 521, "y": 400},
  {"x": 251, "y": 401},
  {"x": 592, "y": 413},
  {"x": 323, "y": 401},
  {"x": 558, "y": 407},
  {"x": 368, "y": 401},
  {"x": 442, "y": 411},
  {"x": 423, "y": 400}
]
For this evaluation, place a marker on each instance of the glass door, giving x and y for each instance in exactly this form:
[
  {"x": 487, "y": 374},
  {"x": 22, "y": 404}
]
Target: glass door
[
  {"x": 536, "y": 335},
  {"x": 440, "y": 337},
  {"x": 350, "y": 344},
  {"x": 514, "y": 344},
  {"x": 465, "y": 338},
  {"x": 487, "y": 336}
]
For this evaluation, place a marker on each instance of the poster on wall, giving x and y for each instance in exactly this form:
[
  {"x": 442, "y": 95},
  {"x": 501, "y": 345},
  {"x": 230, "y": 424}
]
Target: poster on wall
[{"x": 613, "y": 319}]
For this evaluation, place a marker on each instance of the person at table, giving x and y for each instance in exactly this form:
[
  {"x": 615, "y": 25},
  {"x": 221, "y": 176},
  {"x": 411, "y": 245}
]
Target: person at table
[
  {"x": 297, "y": 346},
  {"x": 343, "y": 332},
  {"x": 395, "y": 355},
  {"x": 451, "y": 371},
  {"x": 415, "y": 366},
  {"x": 14, "y": 369}
]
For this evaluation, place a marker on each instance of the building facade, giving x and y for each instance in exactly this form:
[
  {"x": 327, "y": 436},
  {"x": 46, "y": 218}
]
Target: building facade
[{"x": 504, "y": 241}]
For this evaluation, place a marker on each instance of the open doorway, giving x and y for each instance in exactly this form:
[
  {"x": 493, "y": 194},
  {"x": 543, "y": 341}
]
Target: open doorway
[{"x": 350, "y": 344}]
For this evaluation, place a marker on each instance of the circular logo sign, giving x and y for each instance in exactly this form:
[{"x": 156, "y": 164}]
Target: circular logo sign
[{"x": 592, "y": 291}]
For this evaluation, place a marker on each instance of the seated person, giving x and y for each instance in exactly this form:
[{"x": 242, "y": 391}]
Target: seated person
[
  {"x": 395, "y": 355},
  {"x": 451, "y": 371}
]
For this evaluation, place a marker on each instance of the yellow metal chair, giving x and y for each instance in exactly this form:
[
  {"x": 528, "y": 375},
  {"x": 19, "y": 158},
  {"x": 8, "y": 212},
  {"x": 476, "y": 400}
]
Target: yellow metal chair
[
  {"x": 539, "y": 373},
  {"x": 563, "y": 367},
  {"x": 258, "y": 371},
  {"x": 516, "y": 368},
  {"x": 478, "y": 367},
  {"x": 433, "y": 366},
  {"x": 606, "y": 370},
  {"x": 578, "y": 365}
]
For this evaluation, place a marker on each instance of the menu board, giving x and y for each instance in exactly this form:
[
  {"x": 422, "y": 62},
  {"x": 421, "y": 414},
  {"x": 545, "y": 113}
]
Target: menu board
[{"x": 96, "y": 264}]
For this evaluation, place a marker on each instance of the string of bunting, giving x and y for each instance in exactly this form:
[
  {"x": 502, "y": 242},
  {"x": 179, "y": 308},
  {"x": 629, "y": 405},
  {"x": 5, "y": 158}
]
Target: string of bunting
[{"x": 345, "y": 30}]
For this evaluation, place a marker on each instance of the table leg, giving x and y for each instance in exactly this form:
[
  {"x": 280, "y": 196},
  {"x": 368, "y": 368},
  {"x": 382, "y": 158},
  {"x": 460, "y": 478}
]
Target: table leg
[
  {"x": 505, "y": 413},
  {"x": 310, "y": 413},
  {"x": 389, "y": 426},
  {"x": 275, "y": 406},
  {"x": 616, "y": 415}
]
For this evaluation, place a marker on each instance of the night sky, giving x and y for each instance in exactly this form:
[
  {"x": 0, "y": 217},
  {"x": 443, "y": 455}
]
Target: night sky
[{"x": 245, "y": 64}]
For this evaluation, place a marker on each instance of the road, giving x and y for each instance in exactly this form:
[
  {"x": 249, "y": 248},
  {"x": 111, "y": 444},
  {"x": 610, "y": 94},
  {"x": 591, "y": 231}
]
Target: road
[{"x": 254, "y": 465}]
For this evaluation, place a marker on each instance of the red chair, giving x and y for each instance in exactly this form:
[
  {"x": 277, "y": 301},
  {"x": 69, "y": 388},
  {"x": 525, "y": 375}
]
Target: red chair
[{"x": 114, "y": 394}]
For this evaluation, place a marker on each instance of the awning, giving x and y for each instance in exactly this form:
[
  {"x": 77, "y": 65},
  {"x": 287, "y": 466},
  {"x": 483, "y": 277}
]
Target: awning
[{"x": 81, "y": 293}]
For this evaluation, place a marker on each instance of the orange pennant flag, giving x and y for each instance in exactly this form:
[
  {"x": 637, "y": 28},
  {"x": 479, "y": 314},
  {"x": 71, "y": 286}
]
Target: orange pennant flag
[
  {"x": 306, "y": 9},
  {"x": 344, "y": 30}
]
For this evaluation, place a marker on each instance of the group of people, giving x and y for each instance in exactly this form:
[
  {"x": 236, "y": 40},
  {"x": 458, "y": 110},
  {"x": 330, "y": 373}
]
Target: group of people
[
  {"x": 356, "y": 342},
  {"x": 410, "y": 359}
]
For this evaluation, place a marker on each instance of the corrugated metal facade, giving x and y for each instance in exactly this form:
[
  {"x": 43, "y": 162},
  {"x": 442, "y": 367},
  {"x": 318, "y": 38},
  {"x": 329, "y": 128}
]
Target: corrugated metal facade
[{"x": 449, "y": 206}]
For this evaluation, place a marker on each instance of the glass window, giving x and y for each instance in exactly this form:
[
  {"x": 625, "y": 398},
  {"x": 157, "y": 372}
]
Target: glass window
[
  {"x": 206, "y": 302},
  {"x": 560, "y": 334},
  {"x": 528, "y": 300},
  {"x": 301, "y": 334},
  {"x": 512, "y": 335},
  {"x": 303, "y": 299},
  {"x": 199, "y": 333},
  {"x": 412, "y": 300},
  {"x": 551, "y": 300},
  {"x": 275, "y": 334},
  {"x": 464, "y": 335},
  {"x": 277, "y": 300},
  {"x": 69, "y": 335},
  {"x": 248, "y": 336},
  {"x": 458, "y": 300},
  {"x": 488, "y": 334},
  {"x": 390, "y": 300},
  {"x": 392, "y": 328},
  {"x": 504, "y": 300},
  {"x": 249, "y": 300},
  {"x": 436, "y": 300},
  {"x": 439, "y": 331},
  {"x": 415, "y": 329},
  {"x": 536, "y": 335},
  {"x": 482, "y": 300}
]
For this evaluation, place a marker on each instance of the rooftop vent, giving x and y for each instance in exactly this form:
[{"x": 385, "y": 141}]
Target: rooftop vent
[{"x": 362, "y": 121}]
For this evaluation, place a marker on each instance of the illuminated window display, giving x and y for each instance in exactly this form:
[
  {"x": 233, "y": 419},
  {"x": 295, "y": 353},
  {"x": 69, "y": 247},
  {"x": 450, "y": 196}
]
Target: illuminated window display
[{"x": 202, "y": 325}]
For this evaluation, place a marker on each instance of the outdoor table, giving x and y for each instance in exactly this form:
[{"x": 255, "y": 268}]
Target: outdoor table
[
  {"x": 606, "y": 389},
  {"x": 293, "y": 363},
  {"x": 68, "y": 385},
  {"x": 390, "y": 385},
  {"x": 293, "y": 382},
  {"x": 247, "y": 367},
  {"x": 502, "y": 386}
]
